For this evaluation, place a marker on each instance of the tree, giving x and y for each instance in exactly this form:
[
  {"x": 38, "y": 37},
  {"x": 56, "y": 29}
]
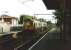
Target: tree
[
  {"x": 60, "y": 14},
  {"x": 50, "y": 25},
  {"x": 59, "y": 17},
  {"x": 49, "y": 22},
  {"x": 60, "y": 21}
]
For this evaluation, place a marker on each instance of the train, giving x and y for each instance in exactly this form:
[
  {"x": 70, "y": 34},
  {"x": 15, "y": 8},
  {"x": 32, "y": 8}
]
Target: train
[{"x": 33, "y": 27}]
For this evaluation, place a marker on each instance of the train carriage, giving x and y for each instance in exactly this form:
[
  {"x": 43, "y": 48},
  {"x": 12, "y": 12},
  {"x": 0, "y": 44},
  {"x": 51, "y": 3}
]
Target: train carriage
[{"x": 33, "y": 25}]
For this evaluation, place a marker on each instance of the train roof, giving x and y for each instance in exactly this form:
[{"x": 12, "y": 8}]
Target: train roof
[{"x": 27, "y": 17}]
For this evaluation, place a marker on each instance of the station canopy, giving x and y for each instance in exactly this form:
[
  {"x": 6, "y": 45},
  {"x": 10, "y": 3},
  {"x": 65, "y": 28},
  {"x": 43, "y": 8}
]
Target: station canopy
[{"x": 51, "y": 4}]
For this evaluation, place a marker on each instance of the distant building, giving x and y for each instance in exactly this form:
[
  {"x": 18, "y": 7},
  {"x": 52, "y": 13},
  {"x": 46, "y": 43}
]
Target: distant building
[
  {"x": 9, "y": 19},
  {"x": 6, "y": 22}
]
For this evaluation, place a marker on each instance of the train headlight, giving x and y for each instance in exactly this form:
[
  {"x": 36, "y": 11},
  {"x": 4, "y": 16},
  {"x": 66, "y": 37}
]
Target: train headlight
[{"x": 14, "y": 35}]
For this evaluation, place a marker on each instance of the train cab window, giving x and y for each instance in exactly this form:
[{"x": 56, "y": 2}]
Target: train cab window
[{"x": 16, "y": 28}]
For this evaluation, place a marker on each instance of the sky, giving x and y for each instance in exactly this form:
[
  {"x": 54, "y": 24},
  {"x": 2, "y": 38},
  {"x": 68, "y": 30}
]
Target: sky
[{"x": 27, "y": 7}]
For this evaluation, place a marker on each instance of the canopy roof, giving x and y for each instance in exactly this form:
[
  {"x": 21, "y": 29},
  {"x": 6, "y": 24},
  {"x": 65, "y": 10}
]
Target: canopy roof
[{"x": 53, "y": 4}]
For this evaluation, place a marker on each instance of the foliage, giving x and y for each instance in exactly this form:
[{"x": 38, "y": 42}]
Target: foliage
[
  {"x": 59, "y": 16},
  {"x": 41, "y": 19},
  {"x": 50, "y": 25},
  {"x": 60, "y": 13}
]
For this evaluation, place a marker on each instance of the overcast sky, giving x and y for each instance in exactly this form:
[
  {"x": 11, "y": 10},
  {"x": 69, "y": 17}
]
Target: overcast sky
[{"x": 18, "y": 7}]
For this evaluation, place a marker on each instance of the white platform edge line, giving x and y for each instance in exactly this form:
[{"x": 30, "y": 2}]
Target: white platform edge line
[{"x": 38, "y": 41}]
